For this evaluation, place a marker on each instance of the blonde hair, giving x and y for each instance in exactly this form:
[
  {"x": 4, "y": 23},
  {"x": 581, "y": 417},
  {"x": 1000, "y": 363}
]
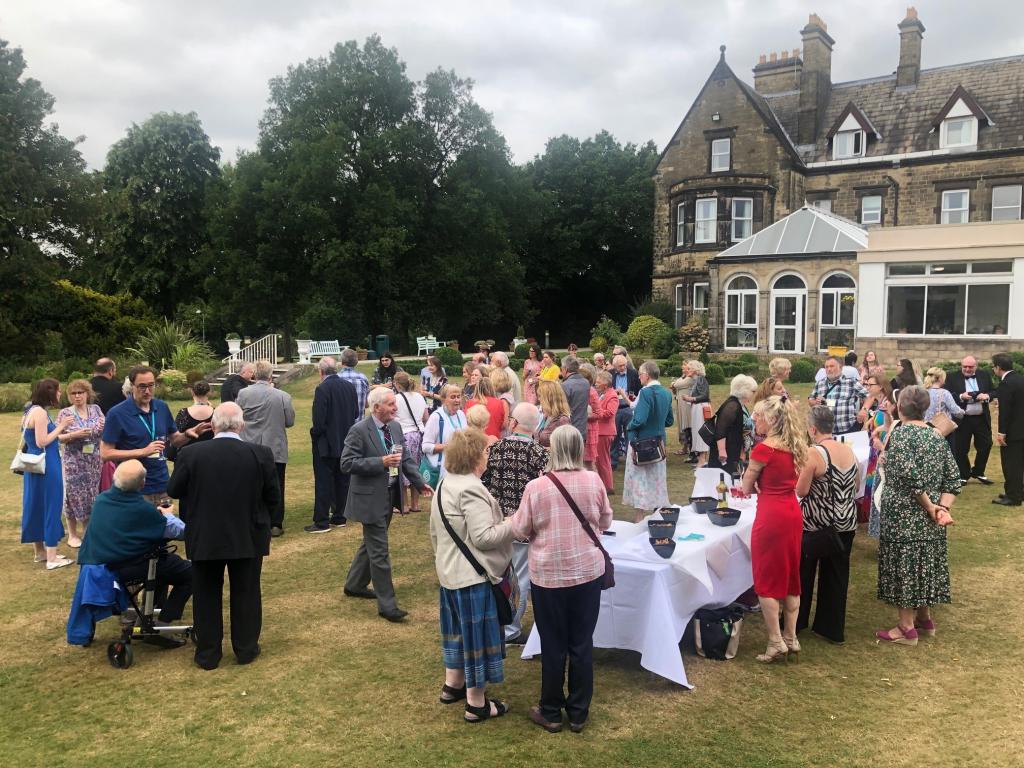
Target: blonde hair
[
  {"x": 464, "y": 450},
  {"x": 697, "y": 367},
  {"x": 405, "y": 382},
  {"x": 779, "y": 364},
  {"x": 934, "y": 376},
  {"x": 500, "y": 380},
  {"x": 552, "y": 400},
  {"x": 81, "y": 385},
  {"x": 478, "y": 416},
  {"x": 786, "y": 427}
]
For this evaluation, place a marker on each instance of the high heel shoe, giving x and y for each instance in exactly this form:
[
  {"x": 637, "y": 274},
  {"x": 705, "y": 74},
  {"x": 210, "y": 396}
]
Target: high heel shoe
[
  {"x": 793, "y": 646},
  {"x": 774, "y": 652}
]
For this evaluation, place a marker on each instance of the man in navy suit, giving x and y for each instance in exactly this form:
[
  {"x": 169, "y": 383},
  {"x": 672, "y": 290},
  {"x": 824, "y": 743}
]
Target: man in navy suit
[
  {"x": 335, "y": 405},
  {"x": 1011, "y": 429},
  {"x": 972, "y": 389}
]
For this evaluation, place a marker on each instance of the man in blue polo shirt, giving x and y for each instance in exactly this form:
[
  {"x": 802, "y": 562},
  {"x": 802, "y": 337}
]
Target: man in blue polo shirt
[{"x": 140, "y": 428}]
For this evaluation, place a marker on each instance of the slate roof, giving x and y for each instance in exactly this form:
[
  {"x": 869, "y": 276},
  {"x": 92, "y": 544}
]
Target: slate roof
[
  {"x": 904, "y": 116},
  {"x": 805, "y": 231}
]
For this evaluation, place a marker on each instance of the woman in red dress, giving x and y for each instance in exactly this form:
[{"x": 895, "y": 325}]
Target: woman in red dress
[{"x": 775, "y": 539}]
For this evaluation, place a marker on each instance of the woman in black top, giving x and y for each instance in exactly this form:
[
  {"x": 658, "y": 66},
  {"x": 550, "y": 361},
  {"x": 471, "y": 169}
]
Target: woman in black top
[
  {"x": 905, "y": 376},
  {"x": 200, "y": 412},
  {"x": 728, "y": 446},
  {"x": 385, "y": 372}
]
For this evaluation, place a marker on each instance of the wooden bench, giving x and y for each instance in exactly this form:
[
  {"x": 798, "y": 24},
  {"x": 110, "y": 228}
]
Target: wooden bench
[
  {"x": 427, "y": 344},
  {"x": 322, "y": 349}
]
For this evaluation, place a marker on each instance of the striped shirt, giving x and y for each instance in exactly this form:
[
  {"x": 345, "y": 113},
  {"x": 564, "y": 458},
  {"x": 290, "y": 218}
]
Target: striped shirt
[
  {"x": 829, "y": 501},
  {"x": 359, "y": 381}
]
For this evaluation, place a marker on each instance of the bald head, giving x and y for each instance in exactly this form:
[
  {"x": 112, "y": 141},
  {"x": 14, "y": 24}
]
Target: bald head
[
  {"x": 130, "y": 476},
  {"x": 969, "y": 362},
  {"x": 227, "y": 417}
]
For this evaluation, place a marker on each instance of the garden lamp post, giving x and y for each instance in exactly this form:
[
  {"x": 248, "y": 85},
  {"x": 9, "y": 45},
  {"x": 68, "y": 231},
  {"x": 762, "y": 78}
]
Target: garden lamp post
[{"x": 202, "y": 318}]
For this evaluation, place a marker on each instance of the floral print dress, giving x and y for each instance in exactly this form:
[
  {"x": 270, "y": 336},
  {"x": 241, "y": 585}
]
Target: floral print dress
[{"x": 82, "y": 463}]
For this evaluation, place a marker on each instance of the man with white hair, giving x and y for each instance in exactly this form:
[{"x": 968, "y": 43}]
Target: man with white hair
[
  {"x": 599, "y": 361},
  {"x": 626, "y": 382},
  {"x": 972, "y": 388},
  {"x": 512, "y": 463},
  {"x": 227, "y": 488},
  {"x": 500, "y": 360},
  {"x": 374, "y": 458},
  {"x": 236, "y": 382}
]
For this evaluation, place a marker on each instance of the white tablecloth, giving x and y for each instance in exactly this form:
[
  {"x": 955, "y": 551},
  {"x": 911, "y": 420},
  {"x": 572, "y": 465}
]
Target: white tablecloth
[{"x": 654, "y": 599}]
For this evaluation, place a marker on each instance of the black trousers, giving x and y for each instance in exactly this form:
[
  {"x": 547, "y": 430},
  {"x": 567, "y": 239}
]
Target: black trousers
[
  {"x": 330, "y": 489},
  {"x": 208, "y": 608},
  {"x": 277, "y": 514},
  {"x": 980, "y": 429},
  {"x": 566, "y": 618},
  {"x": 833, "y": 582},
  {"x": 172, "y": 571},
  {"x": 1011, "y": 456}
]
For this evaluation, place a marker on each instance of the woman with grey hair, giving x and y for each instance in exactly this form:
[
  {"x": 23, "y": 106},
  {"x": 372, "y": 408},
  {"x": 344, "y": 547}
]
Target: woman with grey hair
[
  {"x": 827, "y": 486},
  {"x": 921, "y": 482},
  {"x": 700, "y": 394},
  {"x": 682, "y": 388},
  {"x": 645, "y": 486},
  {"x": 566, "y": 571},
  {"x": 726, "y": 451}
]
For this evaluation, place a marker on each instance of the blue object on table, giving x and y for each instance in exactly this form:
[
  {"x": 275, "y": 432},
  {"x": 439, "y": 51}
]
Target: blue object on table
[{"x": 691, "y": 537}]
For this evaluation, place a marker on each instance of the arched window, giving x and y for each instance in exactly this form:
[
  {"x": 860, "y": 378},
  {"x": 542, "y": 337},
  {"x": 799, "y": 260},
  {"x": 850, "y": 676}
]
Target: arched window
[
  {"x": 837, "y": 300},
  {"x": 741, "y": 313},
  {"x": 789, "y": 308}
]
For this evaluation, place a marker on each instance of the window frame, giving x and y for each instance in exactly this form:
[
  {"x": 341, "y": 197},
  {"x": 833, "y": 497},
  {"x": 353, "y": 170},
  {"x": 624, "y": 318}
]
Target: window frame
[
  {"x": 680, "y": 297},
  {"x": 837, "y": 294},
  {"x": 864, "y": 210},
  {"x": 734, "y": 218},
  {"x": 707, "y": 298},
  {"x": 680, "y": 224},
  {"x": 712, "y": 154},
  {"x": 697, "y": 221},
  {"x": 800, "y": 329},
  {"x": 858, "y": 136},
  {"x": 932, "y": 279},
  {"x": 816, "y": 202},
  {"x": 994, "y": 207},
  {"x": 743, "y": 295},
  {"x": 944, "y": 132},
  {"x": 944, "y": 211}
]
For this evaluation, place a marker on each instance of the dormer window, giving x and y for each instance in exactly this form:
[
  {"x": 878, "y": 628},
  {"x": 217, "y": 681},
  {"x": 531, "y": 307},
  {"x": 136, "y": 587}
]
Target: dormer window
[
  {"x": 959, "y": 132},
  {"x": 848, "y": 144}
]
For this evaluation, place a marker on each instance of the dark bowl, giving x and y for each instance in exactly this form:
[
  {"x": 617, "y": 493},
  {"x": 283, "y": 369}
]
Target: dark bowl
[
  {"x": 664, "y": 550},
  {"x": 704, "y": 504},
  {"x": 669, "y": 514},
  {"x": 661, "y": 529},
  {"x": 724, "y": 517}
]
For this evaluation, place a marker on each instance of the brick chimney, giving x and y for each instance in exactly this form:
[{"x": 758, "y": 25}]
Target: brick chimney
[
  {"x": 911, "y": 32},
  {"x": 778, "y": 72},
  {"x": 815, "y": 79}
]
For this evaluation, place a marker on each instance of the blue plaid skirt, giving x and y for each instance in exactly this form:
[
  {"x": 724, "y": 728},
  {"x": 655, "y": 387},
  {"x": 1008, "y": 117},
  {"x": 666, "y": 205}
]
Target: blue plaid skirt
[{"x": 471, "y": 638}]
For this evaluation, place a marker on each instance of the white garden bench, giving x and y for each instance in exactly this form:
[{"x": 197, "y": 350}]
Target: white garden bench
[
  {"x": 318, "y": 349},
  {"x": 427, "y": 344}
]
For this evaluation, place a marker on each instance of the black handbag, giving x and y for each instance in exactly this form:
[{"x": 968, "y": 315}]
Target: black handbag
[
  {"x": 609, "y": 567},
  {"x": 708, "y": 431},
  {"x": 506, "y": 611},
  {"x": 650, "y": 450},
  {"x": 824, "y": 542}
]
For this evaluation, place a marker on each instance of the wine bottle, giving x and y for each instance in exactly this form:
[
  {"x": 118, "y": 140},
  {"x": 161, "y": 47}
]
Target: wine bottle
[{"x": 723, "y": 491}]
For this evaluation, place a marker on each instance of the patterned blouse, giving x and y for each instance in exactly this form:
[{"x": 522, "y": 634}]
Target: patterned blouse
[
  {"x": 512, "y": 463},
  {"x": 830, "y": 498}
]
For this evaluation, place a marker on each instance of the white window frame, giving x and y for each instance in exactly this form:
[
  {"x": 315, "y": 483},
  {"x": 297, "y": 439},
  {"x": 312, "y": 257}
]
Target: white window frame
[
  {"x": 822, "y": 204},
  {"x": 800, "y": 329},
  {"x": 680, "y": 293},
  {"x": 681, "y": 224},
  {"x": 875, "y": 214},
  {"x": 946, "y": 210},
  {"x": 743, "y": 296},
  {"x": 957, "y": 279},
  {"x": 856, "y": 138},
  {"x": 837, "y": 294},
  {"x": 972, "y": 139},
  {"x": 707, "y": 297},
  {"x": 697, "y": 236},
  {"x": 1017, "y": 208},
  {"x": 717, "y": 154},
  {"x": 749, "y": 218}
]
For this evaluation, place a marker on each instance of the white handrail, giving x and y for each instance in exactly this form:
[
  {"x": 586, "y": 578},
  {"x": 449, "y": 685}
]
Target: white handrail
[{"x": 261, "y": 349}]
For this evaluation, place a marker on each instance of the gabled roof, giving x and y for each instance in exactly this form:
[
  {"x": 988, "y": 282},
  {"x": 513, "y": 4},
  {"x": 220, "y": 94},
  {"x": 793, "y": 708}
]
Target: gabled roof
[
  {"x": 862, "y": 120},
  {"x": 961, "y": 94},
  {"x": 805, "y": 231}
]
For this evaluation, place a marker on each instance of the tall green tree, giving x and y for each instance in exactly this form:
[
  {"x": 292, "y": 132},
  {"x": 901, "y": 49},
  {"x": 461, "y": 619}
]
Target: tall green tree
[
  {"x": 44, "y": 202},
  {"x": 155, "y": 236}
]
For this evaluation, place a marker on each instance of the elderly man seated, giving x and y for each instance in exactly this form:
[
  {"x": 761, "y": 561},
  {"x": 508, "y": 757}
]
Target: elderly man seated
[{"x": 124, "y": 527}]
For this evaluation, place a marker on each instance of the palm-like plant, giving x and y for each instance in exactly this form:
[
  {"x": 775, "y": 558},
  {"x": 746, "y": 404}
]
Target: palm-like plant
[{"x": 171, "y": 345}]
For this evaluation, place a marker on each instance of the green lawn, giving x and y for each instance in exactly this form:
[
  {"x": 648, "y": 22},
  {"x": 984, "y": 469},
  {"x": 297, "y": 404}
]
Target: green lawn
[{"x": 336, "y": 685}]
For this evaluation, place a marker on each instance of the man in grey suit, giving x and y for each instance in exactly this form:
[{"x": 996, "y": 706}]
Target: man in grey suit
[
  {"x": 268, "y": 412},
  {"x": 374, "y": 458},
  {"x": 577, "y": 392}
]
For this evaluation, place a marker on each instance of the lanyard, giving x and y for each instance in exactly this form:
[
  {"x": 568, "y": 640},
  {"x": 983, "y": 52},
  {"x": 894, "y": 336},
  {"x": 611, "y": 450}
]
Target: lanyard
[
  {"x": 829, "y": 390},
  {"x": 455, "y": 425},
  {"x": 151, "y": 426}
]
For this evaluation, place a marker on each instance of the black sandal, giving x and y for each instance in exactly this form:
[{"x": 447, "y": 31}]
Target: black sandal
[
  {"x": 484, "y": 712},
  {"x": 455, "y": 694}
]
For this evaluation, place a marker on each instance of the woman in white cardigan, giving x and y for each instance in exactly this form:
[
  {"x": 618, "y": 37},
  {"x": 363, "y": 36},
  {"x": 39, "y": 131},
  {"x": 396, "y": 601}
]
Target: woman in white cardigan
[{"x": 442, "y": 424}]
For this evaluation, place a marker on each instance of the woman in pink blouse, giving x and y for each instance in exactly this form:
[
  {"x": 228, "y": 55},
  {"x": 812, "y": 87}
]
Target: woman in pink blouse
[
  {"x": 566, "y": 571},
  {"x": 531, "y": 374}
]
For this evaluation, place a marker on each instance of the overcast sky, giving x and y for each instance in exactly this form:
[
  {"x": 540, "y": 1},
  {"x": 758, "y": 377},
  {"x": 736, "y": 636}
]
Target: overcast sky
[{"x": 541, "y": 68}]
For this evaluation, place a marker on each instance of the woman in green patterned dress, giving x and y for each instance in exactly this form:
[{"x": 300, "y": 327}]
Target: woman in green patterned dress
[{"x": 921, "y": 482}]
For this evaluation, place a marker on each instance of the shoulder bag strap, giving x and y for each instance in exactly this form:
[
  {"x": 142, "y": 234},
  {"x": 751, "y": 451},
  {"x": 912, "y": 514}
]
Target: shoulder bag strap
[
  {"x": 459, "y": 542},
  {"x": 576, "y": 511},
  {"x": 415, "y": 421}
]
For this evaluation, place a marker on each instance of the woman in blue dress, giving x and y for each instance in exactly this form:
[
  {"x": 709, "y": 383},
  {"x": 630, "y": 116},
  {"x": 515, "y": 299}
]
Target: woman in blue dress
[{"x": 43, "y": 495}]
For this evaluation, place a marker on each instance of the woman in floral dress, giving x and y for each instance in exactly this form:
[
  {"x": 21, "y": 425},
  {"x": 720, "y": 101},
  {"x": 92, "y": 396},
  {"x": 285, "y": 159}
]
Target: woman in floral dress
[
  {"x": 877, "y": 411},
  {"x": 531, "y": 374},
  {"x": 81, "y": 460},
  {"x": 921, "y": 482}
]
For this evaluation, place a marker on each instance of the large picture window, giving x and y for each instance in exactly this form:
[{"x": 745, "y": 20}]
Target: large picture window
[
  {"x": 741, "y": 313},
  {"x": 707, "y": 220},
  {"x": 837, "y": 300},
  {"x": 955, "y": 298}
]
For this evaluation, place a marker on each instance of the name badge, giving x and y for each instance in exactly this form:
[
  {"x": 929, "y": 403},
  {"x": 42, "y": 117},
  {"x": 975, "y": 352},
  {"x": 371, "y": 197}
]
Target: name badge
[
  {"x": 88, "y": 448},
  {"x": 392, "y": 471},
  {"x": 831, "y": 403}
]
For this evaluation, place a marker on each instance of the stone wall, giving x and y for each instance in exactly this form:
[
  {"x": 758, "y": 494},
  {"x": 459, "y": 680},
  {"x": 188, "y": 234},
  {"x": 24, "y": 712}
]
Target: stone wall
[{"x": 925, "y": 352}]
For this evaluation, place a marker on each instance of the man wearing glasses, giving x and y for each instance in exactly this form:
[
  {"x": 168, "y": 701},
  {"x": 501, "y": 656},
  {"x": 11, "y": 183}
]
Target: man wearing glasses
[
  {"x": 140, "y": 428},
  {"x": 972, "y": 389}
]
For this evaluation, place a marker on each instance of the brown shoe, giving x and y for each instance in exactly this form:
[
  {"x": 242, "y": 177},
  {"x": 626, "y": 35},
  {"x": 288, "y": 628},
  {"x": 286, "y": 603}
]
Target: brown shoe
[{"x": 538, "y": 718}]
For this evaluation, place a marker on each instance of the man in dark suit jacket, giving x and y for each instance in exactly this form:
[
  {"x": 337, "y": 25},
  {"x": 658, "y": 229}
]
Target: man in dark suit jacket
[
  {"x": 335, "y": 410},
  {"x": 626, "y": 382},
  {"x": 108, "y": 389},
  {"x": 373, "y": 456},
  {"x": 227, "y": 488},
  {"x": 1011, "y": 429},
  {"x": 972, "y": 389},
  {"x": 236, "y": 382},
  {"x": 577, "y": 392}
]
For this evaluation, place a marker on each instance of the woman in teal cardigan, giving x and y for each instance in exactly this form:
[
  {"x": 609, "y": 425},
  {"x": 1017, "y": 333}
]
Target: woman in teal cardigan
[{"x": 646, "y": 487}]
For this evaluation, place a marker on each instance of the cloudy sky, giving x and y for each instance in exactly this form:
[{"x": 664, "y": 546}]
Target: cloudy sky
[{"x": 541, "y": 68}]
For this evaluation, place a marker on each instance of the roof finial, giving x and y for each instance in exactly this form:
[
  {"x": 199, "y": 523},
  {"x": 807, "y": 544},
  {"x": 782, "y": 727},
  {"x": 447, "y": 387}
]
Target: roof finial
[{"x": 722, "y": 49}]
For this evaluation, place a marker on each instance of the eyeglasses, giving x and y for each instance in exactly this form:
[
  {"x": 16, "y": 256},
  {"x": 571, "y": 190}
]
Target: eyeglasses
[{"x": 144, "y": 387}]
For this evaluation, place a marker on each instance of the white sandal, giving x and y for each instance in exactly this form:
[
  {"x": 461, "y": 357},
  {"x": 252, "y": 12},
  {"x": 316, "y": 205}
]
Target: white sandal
[{"x": 60, "y": 562}]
